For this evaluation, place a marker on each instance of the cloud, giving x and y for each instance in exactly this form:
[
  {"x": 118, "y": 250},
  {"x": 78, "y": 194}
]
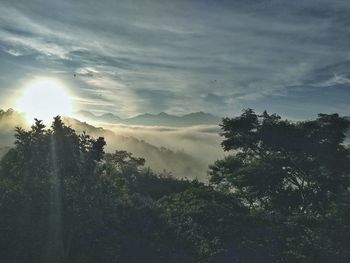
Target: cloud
[
  {"x": 188, "y": 150},
  {"x": 202, "y": 142},
  {"x": 131, "y": 57}
]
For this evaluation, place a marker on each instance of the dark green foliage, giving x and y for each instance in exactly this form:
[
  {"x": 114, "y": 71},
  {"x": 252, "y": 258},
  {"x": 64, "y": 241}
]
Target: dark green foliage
[
  {"x": 282, "y": 195},
  {"x": 297, "y": 175},
  {"x": 206, "y": 221},
  {"x": 50, "y": 180},
  {"x": 62, "y": 199}
]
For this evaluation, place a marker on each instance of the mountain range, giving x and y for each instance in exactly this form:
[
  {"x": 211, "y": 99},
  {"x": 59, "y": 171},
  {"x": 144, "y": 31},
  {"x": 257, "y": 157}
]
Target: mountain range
[{"x": 161, "y": 119}]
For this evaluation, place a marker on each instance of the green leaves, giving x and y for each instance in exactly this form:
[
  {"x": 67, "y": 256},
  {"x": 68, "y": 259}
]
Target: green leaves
[
  {"x": 276, "y": 158},
  {"x": 280, "y": 195},
  {"x": 294, "y": 171}
]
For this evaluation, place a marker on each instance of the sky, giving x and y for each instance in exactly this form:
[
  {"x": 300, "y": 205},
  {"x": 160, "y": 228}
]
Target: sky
[{"x": 132, "y": 57}]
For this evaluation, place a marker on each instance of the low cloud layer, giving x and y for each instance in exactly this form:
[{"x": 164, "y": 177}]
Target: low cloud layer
[
  {"x": 184, "y": 152},
  {"x": 202, "y": 142}
]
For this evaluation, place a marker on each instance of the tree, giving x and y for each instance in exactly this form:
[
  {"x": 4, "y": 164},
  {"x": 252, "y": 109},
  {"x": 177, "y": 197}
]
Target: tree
[
  {"x": 51, "y": 193},
  {"x": 282, "y": 195},
  {"x": 283, "y": 165},
  {"x": 294, "y": 172},
  {"x": 213, "y": 226},
  {"x": 62, "y": 199}
]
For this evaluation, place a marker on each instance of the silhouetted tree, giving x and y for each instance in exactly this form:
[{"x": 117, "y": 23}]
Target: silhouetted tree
[
  {"x": 297, "y": 172},
  {"x": 282, "y": 195}
]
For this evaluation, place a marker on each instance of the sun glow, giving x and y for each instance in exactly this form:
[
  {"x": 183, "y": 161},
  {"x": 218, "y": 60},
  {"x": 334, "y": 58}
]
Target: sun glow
[{"x": 44, "y": 99}]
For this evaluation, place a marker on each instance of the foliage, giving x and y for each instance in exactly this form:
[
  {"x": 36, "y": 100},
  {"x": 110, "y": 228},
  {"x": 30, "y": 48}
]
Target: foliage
[
  {"x": 282, "y": 195},
  {"x": 295, "y": 172}
]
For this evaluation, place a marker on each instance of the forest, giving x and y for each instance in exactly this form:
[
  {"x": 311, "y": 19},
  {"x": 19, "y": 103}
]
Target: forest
[{"x": 281, "y": 194}]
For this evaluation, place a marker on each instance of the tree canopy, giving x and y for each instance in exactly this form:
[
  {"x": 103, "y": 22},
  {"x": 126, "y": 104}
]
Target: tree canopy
[
  {"x": 295, "y": 172},
  {"x": 280, "y": 195}
]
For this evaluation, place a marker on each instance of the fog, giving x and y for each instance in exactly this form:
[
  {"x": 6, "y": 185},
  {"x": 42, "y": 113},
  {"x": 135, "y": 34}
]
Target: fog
[
  {"x": 8, "y": 121},
  {"x": 183, "y": 152},
  {"x": 202, "y": 142}
]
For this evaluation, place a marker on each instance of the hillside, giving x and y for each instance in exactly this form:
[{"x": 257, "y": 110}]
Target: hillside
[{"x": 160, "y": 159}]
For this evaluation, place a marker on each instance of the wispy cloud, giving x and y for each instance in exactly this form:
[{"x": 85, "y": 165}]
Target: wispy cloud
[{"x": 178, "y": 56}]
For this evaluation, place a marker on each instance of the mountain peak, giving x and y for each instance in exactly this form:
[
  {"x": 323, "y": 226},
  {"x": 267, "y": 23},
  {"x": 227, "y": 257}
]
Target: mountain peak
[
  {"x": 108, "y": 114},
  {"x": 163, "y": 114},
  {"x": 198, "y": 113},
  {"x": 86, "y": 113},
  {"x": 160, "y": 119}
]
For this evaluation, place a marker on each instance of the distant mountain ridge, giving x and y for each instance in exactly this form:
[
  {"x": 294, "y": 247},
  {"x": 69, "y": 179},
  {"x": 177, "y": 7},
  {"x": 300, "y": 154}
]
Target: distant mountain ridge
[{"x": 161, "y": 119}]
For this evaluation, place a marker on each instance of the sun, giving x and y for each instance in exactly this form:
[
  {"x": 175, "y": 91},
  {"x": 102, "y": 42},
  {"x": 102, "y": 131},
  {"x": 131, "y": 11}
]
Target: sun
[{"x": 44, "y": 99}]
